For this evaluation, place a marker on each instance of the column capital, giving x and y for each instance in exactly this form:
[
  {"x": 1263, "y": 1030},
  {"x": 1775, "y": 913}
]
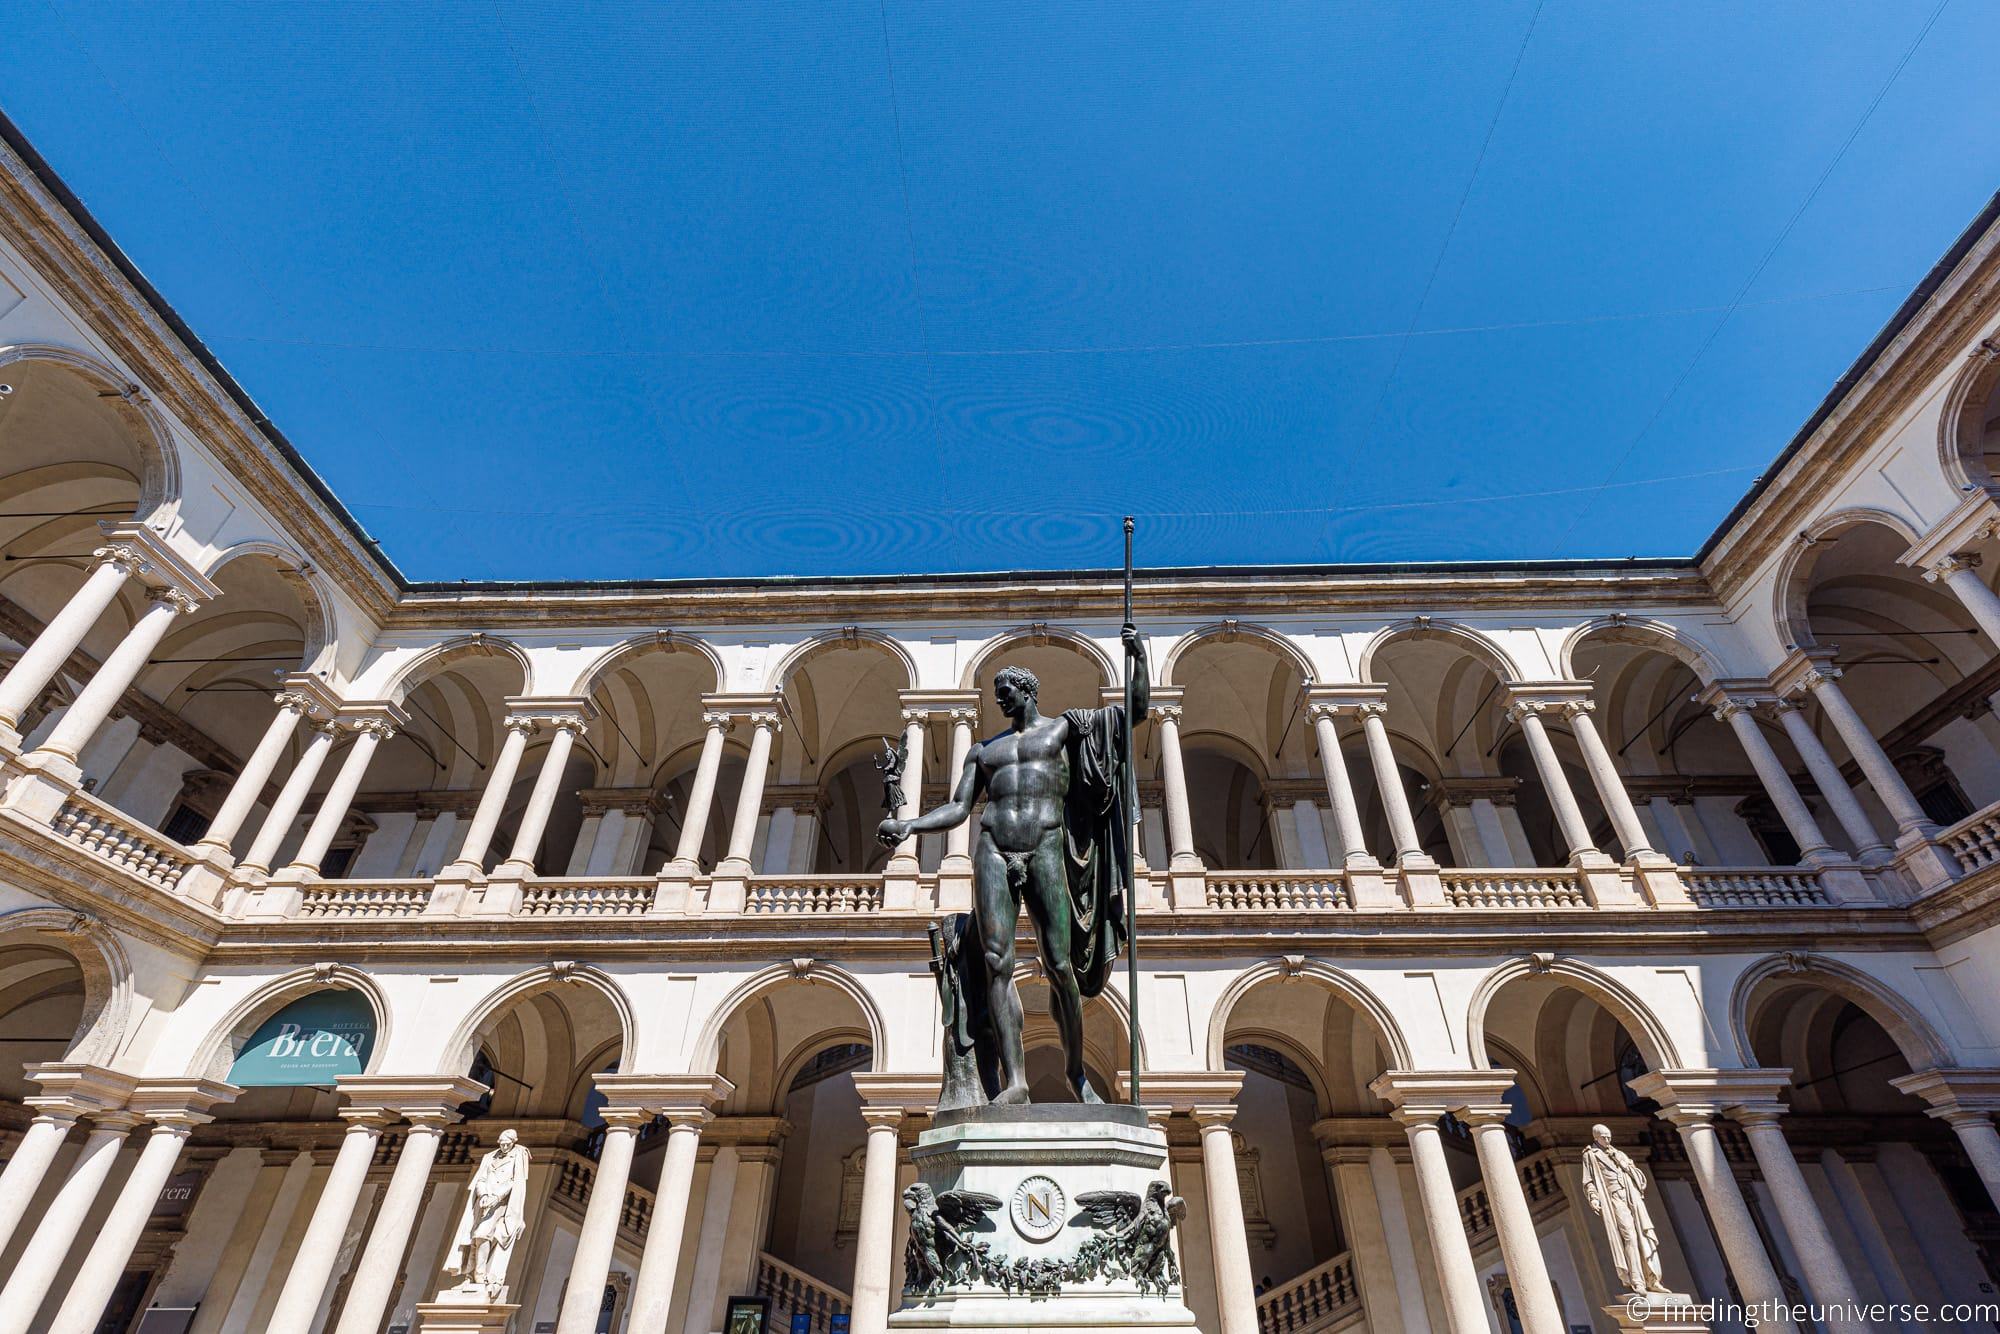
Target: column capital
[
  {"x": 1803, "y": 671},
  {"x": 1185, "y": 1092},
  {"x": 417, "y": 1098},
  {"x": 309, "y": 694},
  {"x": 1697, "y": 1095},
  {"x": 598, "y": 800},
  {"x": 884, "y": 1092},
  {"x": 1331, "y": 701},
  {"x": 569, "y": 713},
  {"x": 682, "y": 1099},
  {"x": 720, "y": 720},
  {"x": 179, "y": 1103},
  {"x": 1352, "y": 1135},
  {"x": 1554, "y": 697},
  {"x": 1425, "y": 1095},
  {"x": 1969, "y": 1092},
  {"x": 76, "y": 1088},
  {"x": 926, "y": 702},
  {"x": 1943, "y": 567},
  {"x": 151, "y": 558},
  {"x": 759, "y": 710},
  {"x": 1465, "y": 791},
  {"x": 381, "y": 717}
]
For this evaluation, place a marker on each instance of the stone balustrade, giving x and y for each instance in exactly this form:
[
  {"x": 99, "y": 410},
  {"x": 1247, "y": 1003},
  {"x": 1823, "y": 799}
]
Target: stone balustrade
[
  {"x": 1975, "y": 840},
  {"x": 814, "y": 894},
  {"x": 549, "y": 897},
  {"x": 792, "y": 1292},
  {"x": 1536, "y": 889},
  {"x": 1325, "y": 1297},
  {"x": 116, "y": 837},
  {"x": 1753, "y": 887},
  {"x": 1278, "y": 891},
  {"x": 365, "y": 899}
]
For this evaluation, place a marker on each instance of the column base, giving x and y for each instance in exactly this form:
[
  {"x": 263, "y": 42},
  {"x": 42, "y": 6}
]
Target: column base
[
  {"x": 1369, "y": 889},
  {"x": 1659, "y": 880},
  {"x": 728, "y": 892},
  {"x": 499, "y": 897},
  {"x": 465, "y": 1318},
  {"x": 1187, "y": 889},
  {"x": 43, "y": 783},
  {"x": 452, "y": 893},
  {"x": 673, "y": 895},
  {"x": 1927, "y": 865},
  {"x": 1658, "y": 1313},
  {"x": 275, "y": 899},
  {"x": 1423, "y": 887},
  {"x": 1604, "y": 880},
  {"x": 206, "y": 880}
]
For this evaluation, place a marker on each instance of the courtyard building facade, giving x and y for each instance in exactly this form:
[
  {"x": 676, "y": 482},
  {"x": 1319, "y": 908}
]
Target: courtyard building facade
[{"x": 314, "y": 880}]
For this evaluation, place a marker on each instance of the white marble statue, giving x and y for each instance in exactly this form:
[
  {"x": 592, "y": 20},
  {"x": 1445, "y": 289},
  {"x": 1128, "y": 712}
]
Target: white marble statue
[
  {"x": 492, "y": 1220},
  {"x": 1616, "y": 1189}
]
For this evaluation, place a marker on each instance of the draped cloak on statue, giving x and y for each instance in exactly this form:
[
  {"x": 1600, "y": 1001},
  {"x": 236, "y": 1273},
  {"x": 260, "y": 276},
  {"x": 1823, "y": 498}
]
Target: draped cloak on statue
[
  {"x": 1097, "y": 827},
  {"x": 495, "y": 1207}
]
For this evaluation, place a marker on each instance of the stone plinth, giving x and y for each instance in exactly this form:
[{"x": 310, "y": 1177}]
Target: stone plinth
[
  {"x": 1660, "y": 1313},
  {"x": 1038, "y": 1161},
  {"x": 471, "y": 1317}
]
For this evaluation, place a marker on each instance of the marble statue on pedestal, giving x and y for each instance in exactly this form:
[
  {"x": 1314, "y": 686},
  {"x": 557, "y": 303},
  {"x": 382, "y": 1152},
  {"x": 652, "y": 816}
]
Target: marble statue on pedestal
[
  {"x": 1616, "y": 1189},
  {"x": 492, "y": 1221}
]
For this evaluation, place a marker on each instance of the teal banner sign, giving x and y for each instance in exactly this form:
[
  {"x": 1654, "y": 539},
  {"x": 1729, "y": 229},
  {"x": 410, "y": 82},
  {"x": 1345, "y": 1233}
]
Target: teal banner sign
[{"x": 314, "y": 1040}]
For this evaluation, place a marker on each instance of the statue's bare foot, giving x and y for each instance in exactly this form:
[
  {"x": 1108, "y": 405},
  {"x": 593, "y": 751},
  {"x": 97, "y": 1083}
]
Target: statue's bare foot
[
  {"x": 1014, "y": 1095},
  {"x": 1085, "y": 1093}
]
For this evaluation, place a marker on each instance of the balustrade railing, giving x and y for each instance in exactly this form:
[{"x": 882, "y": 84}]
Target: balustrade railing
[
  {"x": 119, "y": 839},
  {"x": 364, "y": 899},
  {"x": 1277, "y": 891},
  {"x": 1753, "y": 887},
  {"x": 1322, "y": 1298},
  {"x": 1494, "y": 888},
  {"x": 1975, "y": 840},
  {"x": 814, "y": 894},
  {"x": 794, "y": 1292},
  {"x": 586, "y": 898}
]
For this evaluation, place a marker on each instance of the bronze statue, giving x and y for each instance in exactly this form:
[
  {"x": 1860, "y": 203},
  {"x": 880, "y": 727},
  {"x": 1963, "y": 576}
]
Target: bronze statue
[{"x": 1054, "y": 833}]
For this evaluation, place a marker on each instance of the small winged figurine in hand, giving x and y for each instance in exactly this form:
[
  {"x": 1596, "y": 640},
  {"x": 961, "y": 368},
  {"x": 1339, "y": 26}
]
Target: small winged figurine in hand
[
  {"x": 1139, "y": 1233},
  {"x": 938, "y": 1252}
]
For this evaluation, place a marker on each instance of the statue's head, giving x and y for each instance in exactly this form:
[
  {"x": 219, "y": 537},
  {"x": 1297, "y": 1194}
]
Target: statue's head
[
  {"x": 1602, "y": 1135},
  {"x": 508, "y": 1139},
  {"x": 916, "y": 1196},
  {"x": 1013, "y": 688}
]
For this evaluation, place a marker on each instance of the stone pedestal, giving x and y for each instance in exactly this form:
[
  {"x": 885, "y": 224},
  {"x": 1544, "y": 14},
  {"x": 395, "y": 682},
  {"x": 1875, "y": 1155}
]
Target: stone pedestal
[
  {"x": 467, "y": 1317},
  {"x": 1660, "y": 1313},
  {"x": 1039, "y": 1162}
]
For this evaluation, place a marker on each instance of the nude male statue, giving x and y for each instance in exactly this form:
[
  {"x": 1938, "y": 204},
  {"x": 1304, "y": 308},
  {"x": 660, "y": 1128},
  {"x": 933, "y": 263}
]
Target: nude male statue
[{"x": 1054, "y": 834}]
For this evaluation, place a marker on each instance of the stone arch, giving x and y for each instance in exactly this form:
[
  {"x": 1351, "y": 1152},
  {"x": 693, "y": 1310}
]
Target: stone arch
[
  {"x": 1793, "y": 585},
  {"x": 1919, "y": 1041},
  {"x": 1962, "y": 424},
  {"x": 1310, "y": 1064},
  {"x": 1232, "y": 632},
  {"x": 1082, "y": 645},
  {"x": 707, "y": 1048},
  {"x": 219, "y": 1049},
  {"x": 435, "y": 659},
  {"x": 464, "y": 1044},
  {"x": 833, "y": 640},
  {"x": 1426, "y": 627},
  {"x": 303, "y": 578},
  {"x": 107, "y": 974},
  {"x": 1642, "y": 632},
  {"x": 1342, "y": 983},
  {"x": 659, "y": 641},
  {"x": 823, "y": 1041},
  {"x": 1655, "y": 1043},
  {"x": 160, "y": 464}
]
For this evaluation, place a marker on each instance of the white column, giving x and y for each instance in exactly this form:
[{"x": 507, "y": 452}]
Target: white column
[
  {"x": 1965, "y": 1101},
  {"x": 958, "y": 841},
  {"x": 1229, "y": 1245},
  {"x": 312, "y": 1264},
  {"x": 471, "y": 858},
  {"x": 1911, "y": 822},
  {"x": 750, "y": 798},
  {"x": 1777, "y": 783},
  {"x": 915, "y": 733},
  {"x": 876, "y": 1234},
  {"x": 1604, "y": 776},
  {"x": 1555, "y": 783},
  {"x": 1465, "y": 1312},
  {"x": 36, "y": 1267},
  {"x": 115, "y": 675},
  {"x": 542, "y": 797},
  {"x": 1831, "y": 782},
  {"x": 381, "y": 1262},
  {"x": 30, "y": 1163},
  {"x": 1735, "y": 1229},
  {"x": 1520, "y": 1245},
  {"x": 1339, "y": 788},
  {"x": 1173, "y": 777},
  {"x": 105, "y": 1263},
  {"x": 1389, "y": 780},
  {"x": 701, "y": 794},
  {"x": 257, "y": 771},
  {"x": 1960, "y": 573},
  {"x": 1826, "y": 1273},
  {"x": 653, "y": 1291},
  {"x": 42, "y": 659},
  {"x": 368, "y": 734},
  {"x": 291, "y": 797},
  {"x": 599, "y": 1235}
]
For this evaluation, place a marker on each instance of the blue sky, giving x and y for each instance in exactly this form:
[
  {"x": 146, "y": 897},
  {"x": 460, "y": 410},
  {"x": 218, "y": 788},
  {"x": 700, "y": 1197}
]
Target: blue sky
[{"x": 865, "y": 286}]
